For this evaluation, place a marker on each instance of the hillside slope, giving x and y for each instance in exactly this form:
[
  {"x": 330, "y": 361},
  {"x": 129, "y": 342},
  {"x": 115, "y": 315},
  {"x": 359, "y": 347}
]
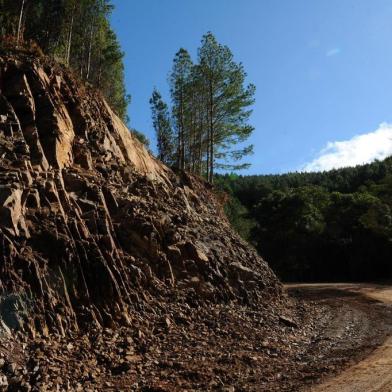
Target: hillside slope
[{"x": 92, "y": 226}]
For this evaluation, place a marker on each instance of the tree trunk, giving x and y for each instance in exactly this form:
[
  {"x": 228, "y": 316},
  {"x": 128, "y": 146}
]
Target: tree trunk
[
  {"x": 182, "y": 125},
  {"x": 200, "y": 146},
  {"x": 99, "y": 72},
  {"x": 179, "y": 149},
  {"x": 192, "y": 137},
  {"x": 212, "y": 157},
  {"x": 208, "y": 155},
  {"x": 69, "y": 41},
  {"x": 20, "y": 23},
  {"x": 211, "y": 136},
  {"x": 90, "y": 48}
]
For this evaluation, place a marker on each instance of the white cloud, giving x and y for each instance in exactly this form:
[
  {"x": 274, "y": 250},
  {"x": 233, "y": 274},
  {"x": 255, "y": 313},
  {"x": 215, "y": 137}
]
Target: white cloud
[
  {"x": 358, "y": 150},
  {"x": 333, "y": 52}
]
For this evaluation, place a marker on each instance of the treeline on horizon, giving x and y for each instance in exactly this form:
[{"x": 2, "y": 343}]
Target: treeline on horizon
[
  {"x": 76, "y": 33},
  {"x": 329, "y": 226},
  {"x": 207, "y": 124}
]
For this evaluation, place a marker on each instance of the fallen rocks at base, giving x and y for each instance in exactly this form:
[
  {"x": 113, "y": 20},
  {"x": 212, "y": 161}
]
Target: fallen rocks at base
[{"x": 215, "y": 347}]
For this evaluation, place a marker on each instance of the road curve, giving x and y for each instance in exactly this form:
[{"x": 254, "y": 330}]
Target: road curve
[{"x": 374, "y": 373}]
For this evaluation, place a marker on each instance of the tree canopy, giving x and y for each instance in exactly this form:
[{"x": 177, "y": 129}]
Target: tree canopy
[
  {"x": 334, "y": 225},
  {"x": 74, "y": 32},
  {"x": 210, "y": 110},
  {"x": 163, "y": 129}
]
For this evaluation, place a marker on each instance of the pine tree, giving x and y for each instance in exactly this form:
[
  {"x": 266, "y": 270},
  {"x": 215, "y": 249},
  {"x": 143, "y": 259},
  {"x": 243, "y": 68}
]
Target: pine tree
[
  {"x": 210, "y": 109},
  {"x": 8, "y": 15},
  {"x": 76, "y": 33},
  {"x": 195, "y": 121},
  {"x": 46, "y": 24},
  {"x": 182, "y": 67},
  {"x": 162, "y": 127},
  {"x": 226, "y": 105}
]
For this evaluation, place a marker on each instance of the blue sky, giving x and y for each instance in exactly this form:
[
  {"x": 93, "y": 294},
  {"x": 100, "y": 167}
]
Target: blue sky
[{"x": 322, "y": 68}]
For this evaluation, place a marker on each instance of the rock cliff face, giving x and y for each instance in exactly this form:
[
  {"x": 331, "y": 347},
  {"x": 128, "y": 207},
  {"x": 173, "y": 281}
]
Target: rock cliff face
[{"x": 92, "y": 227}]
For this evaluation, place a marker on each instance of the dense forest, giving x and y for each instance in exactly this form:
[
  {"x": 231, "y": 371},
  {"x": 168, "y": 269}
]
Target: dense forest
[
  {"x": 207, "y": 125},
  {"x": 334, "y": 225},
  {"x": 76, "y": 33}
]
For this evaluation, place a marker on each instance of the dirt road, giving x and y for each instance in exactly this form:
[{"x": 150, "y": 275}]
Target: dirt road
[
  {"x": 322, "y": 331},
  {"x": 374, "y": 373}
]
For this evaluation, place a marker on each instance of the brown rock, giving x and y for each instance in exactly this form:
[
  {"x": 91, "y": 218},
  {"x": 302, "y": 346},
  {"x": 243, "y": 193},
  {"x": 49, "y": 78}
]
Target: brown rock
[
  {"x": 11, "y": 208},
  {"x": 93, "y": 227}
]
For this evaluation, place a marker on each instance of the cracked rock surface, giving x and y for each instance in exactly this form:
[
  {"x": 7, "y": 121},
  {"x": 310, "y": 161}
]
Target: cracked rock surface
[{"x": 92, "y": 227}]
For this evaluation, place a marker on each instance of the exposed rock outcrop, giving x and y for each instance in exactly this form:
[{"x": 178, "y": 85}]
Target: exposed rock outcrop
[{"x": 92, "y": 227}]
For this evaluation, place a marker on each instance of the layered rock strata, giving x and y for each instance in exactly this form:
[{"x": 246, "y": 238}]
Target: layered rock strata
[{"x": 92, "y": 227}]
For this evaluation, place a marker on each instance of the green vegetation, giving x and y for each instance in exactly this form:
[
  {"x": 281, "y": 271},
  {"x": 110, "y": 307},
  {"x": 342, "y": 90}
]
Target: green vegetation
[
  {"x": 141, "y": 137},
  {"x": 334, "y": 225},
  {"x": 163, "y": 130},
  {"x": 74, "y": 32},
  {"x": 210, "y": 111}
]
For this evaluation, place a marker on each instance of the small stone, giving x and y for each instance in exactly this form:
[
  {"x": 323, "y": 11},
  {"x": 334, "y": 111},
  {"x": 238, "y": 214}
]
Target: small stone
[
  {"x": 11, "y": 368},
  {"x": 3, "y": 382},
  {"x": 25, "y": 386},
  {"x": 288, "y": 321},
  {"x": 133, "y": 358},
  {"x": 168, "y": 322}
]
